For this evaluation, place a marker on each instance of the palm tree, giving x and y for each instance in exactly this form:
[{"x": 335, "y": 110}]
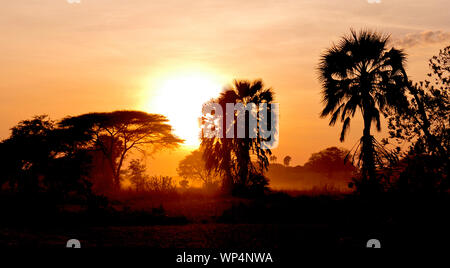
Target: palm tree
[
  {"x": 360, "y": 73},
  {"x": 232, "y": 157}
]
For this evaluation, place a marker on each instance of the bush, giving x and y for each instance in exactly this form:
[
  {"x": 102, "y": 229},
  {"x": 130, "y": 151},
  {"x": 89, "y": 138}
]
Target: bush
[{"x": 160, "y": 183}]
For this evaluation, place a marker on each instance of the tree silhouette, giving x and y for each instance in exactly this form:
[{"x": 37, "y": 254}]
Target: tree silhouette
[
  {"x": 184, "y": 183},
  {"x": 137, "y": 175},
  {"x": 329, "y": 161},
  {"x": 193, "y": 167},
  {"x": 117, "y": 133},
  {"x": 273, "y": 159},
  {"x": 39, "y": 157},
  {"x": 231, "y": 157},
  {"x": 426, "y": 109},
  {"x": 360, "y": 73},
  {"x": 425, "y": 126},
  {"x": 287, "y": 160}
]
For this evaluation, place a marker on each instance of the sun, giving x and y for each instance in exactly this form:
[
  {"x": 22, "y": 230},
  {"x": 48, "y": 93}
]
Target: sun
[{"x": 180, "y": 97}]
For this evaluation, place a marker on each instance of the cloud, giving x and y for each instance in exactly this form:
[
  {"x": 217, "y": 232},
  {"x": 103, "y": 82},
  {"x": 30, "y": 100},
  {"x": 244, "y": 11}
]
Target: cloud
[{"x": 423, "y": 38}]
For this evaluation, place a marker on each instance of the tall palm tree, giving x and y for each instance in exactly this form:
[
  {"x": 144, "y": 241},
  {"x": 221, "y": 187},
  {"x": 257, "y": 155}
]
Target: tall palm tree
[
  {"x": 232, "y": 157},
  {"x": 360, "y": 73}
]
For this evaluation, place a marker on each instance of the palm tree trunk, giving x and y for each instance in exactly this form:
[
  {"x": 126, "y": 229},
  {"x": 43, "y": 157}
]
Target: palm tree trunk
[
  {"x": 244, "y": 162},
  {"x": 368, "y": 151},
  {"x": 227, "y": 183}
]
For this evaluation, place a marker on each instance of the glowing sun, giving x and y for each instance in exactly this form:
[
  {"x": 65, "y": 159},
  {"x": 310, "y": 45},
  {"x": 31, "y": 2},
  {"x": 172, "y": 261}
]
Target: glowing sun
[{"x": 180, "y": 97}]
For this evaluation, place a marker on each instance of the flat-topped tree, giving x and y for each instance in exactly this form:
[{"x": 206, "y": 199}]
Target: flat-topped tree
[{"x": 117, "y": 133}]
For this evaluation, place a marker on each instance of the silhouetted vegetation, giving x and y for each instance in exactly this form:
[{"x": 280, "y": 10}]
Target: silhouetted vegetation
[
  {"x": 40, "y": 158},
  {"x": 231, "y": 158},
  {"x": 116, "y": 134},
  {"x": 74, "y": 172},
  {"x": 361, "y": 73},
  {"x": 137, "y": 175},
  {"x": 424, "y": 128},
  {"x": 49, "y": 167},
  {"x": 325, "y": 171},
  {"x": 331, "y": 161},
  {"x": 287, "y": 160},
  {"x": 273, "y": 158},
  {"x": 193, "y": 167}
]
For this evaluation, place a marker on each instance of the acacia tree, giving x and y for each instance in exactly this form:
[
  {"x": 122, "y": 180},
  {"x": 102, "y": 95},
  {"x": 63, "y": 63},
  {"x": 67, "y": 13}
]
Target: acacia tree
[
  {"x": 117, "y": 133},
  {"x": 361, "y": 73}
]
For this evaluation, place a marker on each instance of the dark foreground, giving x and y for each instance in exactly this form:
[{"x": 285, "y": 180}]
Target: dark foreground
[
  {"x": 271, "y": 222},
  {"x": 236, "y": 236}
]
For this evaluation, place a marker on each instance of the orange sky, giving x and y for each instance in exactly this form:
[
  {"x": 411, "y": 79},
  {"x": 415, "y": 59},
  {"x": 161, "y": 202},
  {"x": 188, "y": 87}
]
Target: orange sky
[{"x": 103, "y": 55}]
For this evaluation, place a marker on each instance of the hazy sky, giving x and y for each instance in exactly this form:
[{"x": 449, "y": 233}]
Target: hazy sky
[{"x": 103, "y": 55}]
